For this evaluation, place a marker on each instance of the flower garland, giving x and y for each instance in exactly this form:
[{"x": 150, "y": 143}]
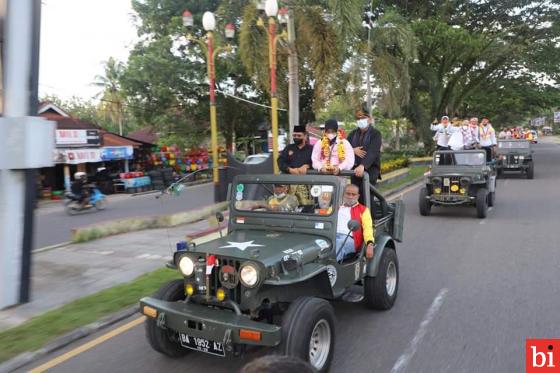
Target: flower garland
[{"x": 326, "y": 149}]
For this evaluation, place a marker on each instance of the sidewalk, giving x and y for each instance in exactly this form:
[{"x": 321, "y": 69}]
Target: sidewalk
[{"x": 65, "y": 274}]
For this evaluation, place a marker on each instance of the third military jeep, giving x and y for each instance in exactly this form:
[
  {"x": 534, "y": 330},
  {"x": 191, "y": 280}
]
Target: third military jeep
[
  {"x": 268, "y": 282},
  {"x": 459, "y": 178},
  {"x": 515, "y": 156}
]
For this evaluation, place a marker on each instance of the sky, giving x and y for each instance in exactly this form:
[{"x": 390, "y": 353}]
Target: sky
[{"x": 77, "y": 36}]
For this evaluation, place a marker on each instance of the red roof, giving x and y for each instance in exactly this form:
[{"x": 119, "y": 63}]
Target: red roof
[
  {"x": 69, "y": 123},
  {"x": 146, "y": 135},
  {"x": 112, "y": 139}
]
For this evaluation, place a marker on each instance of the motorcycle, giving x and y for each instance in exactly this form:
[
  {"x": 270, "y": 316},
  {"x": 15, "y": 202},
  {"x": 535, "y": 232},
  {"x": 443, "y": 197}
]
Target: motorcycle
[{"x": 97, "y": 200}]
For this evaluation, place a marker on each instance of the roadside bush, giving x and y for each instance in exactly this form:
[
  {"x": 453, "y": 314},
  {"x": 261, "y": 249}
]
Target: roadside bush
[{"x": 394, "y": 164}]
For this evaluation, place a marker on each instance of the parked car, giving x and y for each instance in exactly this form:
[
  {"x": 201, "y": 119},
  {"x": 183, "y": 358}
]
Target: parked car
[
  {"x": 256, "y": 158},
  {"x": 269, "y": 281},
  {"x": 459, "y": 178}
]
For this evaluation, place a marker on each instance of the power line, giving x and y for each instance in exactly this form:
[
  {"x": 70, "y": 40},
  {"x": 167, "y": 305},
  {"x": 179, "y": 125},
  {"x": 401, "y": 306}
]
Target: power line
[{"x": 247, "y": 101}]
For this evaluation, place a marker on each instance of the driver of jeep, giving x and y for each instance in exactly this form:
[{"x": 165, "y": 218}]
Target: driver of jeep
[{"x": 351, "y": 209}]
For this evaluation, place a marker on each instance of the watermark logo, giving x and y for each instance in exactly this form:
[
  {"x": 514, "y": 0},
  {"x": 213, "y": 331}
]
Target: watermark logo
[{"x": 542, "y": 355}]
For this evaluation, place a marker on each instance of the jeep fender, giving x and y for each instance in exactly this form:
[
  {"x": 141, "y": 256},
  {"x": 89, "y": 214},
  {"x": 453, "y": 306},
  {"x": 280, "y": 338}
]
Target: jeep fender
[{"x": 382, "y": 244}]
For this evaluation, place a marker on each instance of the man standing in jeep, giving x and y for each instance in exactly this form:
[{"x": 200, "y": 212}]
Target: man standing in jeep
[{"x": 351, "y": 209}]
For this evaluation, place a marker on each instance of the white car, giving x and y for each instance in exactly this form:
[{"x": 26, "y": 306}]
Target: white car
[{"x": 256, "y": 158}]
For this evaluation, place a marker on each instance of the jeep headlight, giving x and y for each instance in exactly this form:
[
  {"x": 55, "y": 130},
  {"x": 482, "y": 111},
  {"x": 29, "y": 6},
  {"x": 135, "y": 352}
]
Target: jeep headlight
[
  {"x": 521, "y": 157},
  {"x": 249, "y": 275},
  {"x": 186, "y": 266}
]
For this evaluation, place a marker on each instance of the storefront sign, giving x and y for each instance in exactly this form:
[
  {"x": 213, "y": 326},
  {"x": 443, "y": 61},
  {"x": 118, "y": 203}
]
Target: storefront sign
[
  {"x": 77, "y": 156},
  {"x": 557, "y": 117},
  {"x": 77, "y": 137},
  {"x": 109, "y": 153}
]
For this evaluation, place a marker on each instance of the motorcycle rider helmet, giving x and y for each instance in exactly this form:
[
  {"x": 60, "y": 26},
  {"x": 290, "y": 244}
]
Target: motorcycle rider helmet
[{"x": 79, "y": 175}]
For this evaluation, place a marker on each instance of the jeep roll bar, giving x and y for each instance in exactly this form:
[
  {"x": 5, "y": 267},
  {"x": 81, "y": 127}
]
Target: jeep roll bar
[{"x": 365, "y": 179}]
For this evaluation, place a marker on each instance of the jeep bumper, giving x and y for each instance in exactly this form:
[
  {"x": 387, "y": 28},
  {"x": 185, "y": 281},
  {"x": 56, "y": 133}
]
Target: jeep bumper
[
  {"x": 213, "y": 324},
  {"x": 447, "y": 199}
]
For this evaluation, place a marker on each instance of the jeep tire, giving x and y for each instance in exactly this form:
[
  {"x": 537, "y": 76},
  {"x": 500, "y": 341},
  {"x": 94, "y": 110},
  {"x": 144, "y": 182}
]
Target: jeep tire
[
  {"x": 380, "y": 292},
  {"x": 530, "y": 170},
  {"x": 308, "y": 332},
  {"x": 164, "y": 340},
  {"x": 423, "y": 203},
  {"x": 482, "y": 203}
]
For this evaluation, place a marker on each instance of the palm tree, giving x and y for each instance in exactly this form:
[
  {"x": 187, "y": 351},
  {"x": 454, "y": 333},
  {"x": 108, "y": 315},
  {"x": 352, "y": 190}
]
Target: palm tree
[{"x": 112, "y": 97}]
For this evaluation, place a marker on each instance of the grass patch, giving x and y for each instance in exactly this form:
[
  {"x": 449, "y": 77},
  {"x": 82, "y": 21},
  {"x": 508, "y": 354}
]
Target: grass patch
[
  {"x": 416, "y": 172},
  {"x": 38, "y": 331}
]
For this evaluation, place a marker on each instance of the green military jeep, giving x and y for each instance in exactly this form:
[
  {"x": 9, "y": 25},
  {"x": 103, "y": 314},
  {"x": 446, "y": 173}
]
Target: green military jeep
[
  {"x": 459, "y": 178},
  {"x": 515, "y": 156},
  {"x": 268, "y": 282}
]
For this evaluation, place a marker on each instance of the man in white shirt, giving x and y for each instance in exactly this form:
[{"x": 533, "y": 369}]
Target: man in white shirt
[
  {"x": 487, "y": 138},
  {"x": 443, "y": 131}
]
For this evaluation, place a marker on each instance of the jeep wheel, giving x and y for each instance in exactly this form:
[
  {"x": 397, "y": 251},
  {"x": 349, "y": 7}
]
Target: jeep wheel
[
  {"x": 308, "y": 332},
  {"x": 481, "y": 203},
  {"x": 165, "y": 340},
  {"x": 500, "y": 173},
  {"x": 423, "y": 203},
  {"x": 530, "y": 170},
  {"x": 380, "y": 292}
]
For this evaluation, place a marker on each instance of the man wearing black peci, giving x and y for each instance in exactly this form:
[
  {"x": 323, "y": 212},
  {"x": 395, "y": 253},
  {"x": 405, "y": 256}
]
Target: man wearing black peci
[{"x": 295, "y": 159}]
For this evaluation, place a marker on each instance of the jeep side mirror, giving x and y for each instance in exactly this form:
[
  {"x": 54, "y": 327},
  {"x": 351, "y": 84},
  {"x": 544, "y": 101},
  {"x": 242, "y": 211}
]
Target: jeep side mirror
[
  {"x": 219, "y": 216},
  {"x": 353, "y": 225}
]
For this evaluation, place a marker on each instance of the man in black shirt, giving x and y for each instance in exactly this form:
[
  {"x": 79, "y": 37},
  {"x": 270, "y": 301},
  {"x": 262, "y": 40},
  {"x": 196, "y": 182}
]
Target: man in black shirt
[
  {"x": 366, "y": 142},
  {"x": 295, "y": 159}
]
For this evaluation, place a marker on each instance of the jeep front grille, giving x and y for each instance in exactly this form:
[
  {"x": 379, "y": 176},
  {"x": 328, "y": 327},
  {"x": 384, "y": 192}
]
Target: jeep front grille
[{"x": 231, "y": 293}]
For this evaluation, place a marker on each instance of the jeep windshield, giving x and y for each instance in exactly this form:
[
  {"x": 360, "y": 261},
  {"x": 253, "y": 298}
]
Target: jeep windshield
[
  {"x": 514, "y": 144},
  {"x": 450, "y": 158},
  {"x": 311, "y": 199}
]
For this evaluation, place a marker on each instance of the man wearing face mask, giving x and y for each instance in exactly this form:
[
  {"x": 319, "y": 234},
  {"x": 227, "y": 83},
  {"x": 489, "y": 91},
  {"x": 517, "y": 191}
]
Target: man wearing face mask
[
  {"x": 295, "y": 159},
  {"x": 366, "y": 143},
  {"x": 333, "y": 153},
  {"x": 351, "y": 209}
]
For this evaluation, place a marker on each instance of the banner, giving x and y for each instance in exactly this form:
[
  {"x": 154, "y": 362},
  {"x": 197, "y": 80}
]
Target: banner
[
  {"x": 538, "y": 122},
  {"x": 77, "y": 156},
  {"x": 557, "y": 117},
  {"x": 77, "y": 137},
  {"x": 109, "y": 153}
]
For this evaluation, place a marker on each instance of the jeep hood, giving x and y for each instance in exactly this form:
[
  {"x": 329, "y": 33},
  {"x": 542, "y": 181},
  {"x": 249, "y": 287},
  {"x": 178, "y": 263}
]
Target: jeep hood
[{"x": 267, "y": 247}]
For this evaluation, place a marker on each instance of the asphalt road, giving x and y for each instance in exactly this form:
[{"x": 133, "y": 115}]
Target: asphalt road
[
  {"x": 53, "y": 225},
  {"x": 471, "y": 292}
]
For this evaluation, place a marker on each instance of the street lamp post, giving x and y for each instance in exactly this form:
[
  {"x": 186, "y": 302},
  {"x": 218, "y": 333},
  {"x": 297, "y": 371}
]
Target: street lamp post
[
  {"x": 271, "y": 10},
  {"x": 209, "y": 25}
]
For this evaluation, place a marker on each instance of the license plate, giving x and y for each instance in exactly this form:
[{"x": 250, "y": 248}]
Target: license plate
[
  {"x": 446, "y": 182},
  {"x": 202, "y": 345}
]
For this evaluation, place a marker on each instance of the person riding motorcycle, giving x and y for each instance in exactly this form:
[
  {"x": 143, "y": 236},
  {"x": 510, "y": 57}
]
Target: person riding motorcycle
[{"x": 79, "y": 190}]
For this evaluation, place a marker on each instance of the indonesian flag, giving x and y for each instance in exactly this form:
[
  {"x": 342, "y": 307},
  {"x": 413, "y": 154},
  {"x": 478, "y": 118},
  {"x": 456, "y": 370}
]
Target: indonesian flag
[{"x": 210, "y": 263}]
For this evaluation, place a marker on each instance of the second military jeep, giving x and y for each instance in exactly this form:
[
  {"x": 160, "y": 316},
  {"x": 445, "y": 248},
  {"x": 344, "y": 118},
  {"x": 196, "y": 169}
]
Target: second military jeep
[
  {"x": 459, "y": 178},
  {"x": 268, "y": 282},
  {"x": 515, "y": 156}
]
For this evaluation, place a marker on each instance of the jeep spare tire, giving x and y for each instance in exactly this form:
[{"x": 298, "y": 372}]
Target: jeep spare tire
[
  {"x": 308, "y": 332},
  {"x": 482, "y": 203},
  {"x": 380, "y": 292},
  {"x": 165, "y": 341}
]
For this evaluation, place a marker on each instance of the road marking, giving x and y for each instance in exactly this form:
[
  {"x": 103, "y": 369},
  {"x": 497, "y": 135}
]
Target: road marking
[
  {"x": 404, "y": 359},
  {"x": 87, "y": 346},
  {"x": 482, "y": 222}
]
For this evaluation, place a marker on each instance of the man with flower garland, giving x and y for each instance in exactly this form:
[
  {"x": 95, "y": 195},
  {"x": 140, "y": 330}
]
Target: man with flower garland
[
  {"x": 366, "y": 144},
  {"x": 333, "y": 153}
]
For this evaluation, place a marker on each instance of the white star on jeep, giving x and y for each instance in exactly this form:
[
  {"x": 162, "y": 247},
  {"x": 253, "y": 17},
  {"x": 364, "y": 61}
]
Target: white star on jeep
[{"x": 241, "y": 245}]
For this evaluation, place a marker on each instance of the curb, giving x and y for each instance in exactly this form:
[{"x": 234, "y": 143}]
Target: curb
[
  {"x": 127, "y": 225},
  {"x": 393, "y": 192},
  {"x": 52, "y": 247},
  {"x": 63, "y": 341}
]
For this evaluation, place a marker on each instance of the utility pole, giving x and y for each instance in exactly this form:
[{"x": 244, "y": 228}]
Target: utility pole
[
  {"x": 28, "y": 144},
  {"x": 368, "y": 62},
  {"x": 293, "y": 79}
]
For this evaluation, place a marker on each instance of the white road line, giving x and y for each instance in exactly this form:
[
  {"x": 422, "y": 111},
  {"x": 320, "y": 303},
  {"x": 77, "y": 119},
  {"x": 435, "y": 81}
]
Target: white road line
[{"x": 404, "y": 359}]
